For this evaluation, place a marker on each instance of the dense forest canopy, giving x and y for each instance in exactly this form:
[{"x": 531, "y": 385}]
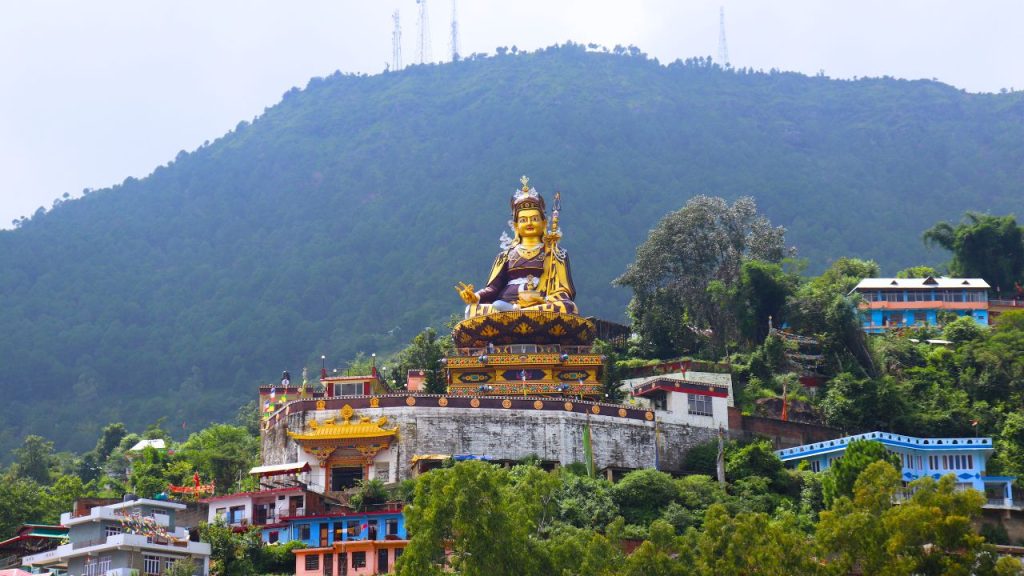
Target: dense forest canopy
[{"x": 338, "y": 220}]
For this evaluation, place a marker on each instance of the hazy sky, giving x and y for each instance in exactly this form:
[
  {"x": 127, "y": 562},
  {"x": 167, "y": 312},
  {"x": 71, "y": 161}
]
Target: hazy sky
[{"x": 93, "y": 92}]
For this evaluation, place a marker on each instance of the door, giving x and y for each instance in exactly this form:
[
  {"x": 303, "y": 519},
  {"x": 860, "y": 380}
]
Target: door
[
  {"x": 324, "y": 531},
  {"x": 382, "y": 561},
  {"x": 343, "y": 477}
]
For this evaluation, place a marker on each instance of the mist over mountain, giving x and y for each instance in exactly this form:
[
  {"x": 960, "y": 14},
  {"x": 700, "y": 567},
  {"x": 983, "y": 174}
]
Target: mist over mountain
[{"x": 340, "y": 219}]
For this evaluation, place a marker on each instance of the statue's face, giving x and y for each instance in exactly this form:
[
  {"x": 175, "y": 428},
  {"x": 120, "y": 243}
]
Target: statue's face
[{"x": 530, "y": 223}]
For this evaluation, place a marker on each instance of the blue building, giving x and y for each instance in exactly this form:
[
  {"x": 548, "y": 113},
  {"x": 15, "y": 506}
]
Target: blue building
[
  {"x": 320, "y": 531},
  {"x": 965, "y": 458},
  {"x": 899, "y": 302}
]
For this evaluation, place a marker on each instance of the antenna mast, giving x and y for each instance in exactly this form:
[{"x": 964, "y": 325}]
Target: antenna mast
[
  {"x": 396, "y": 44},
  {"x": 424, "y": 33},
  {"x": 454, "y": 40},
  {"x": 723, "y": 48}
]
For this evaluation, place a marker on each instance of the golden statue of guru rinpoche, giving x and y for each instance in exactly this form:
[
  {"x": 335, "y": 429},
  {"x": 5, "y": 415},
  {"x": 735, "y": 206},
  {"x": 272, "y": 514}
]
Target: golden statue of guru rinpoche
[{"x": 532, "y": 271}]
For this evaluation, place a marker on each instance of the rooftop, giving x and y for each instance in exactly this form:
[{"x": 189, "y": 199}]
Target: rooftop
[
  {"x": 888, "y": 439},
  {"x": 920, "y": 283}
]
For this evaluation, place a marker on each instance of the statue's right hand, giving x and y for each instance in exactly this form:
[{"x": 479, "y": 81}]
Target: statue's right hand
[{"x": 466, "y": 292}]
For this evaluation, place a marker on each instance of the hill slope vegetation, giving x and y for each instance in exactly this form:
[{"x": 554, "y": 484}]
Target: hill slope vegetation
[{"x": 338, "y": 221}]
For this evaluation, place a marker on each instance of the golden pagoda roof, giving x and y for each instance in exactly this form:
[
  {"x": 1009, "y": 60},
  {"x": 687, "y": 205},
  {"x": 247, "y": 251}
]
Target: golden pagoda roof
[{"x": 331, "y": 429}]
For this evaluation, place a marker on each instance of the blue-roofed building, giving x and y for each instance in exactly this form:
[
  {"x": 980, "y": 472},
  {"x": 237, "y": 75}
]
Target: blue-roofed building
[{"x": 965, "y": 458}]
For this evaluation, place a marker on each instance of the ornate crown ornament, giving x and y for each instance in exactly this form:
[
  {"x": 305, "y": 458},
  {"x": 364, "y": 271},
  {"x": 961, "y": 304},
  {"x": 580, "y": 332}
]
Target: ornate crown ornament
[{"x": 526, "y": 198}]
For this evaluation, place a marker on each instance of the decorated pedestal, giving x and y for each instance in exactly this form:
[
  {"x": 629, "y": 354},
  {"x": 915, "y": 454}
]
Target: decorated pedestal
[{"x": 525, "y": 352}]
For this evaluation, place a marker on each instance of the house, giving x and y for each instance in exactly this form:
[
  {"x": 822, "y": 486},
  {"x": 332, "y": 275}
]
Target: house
[
  {"x": 965, "y": 458},
  {"x": 898, "y": 302},
  {"x": 263, "y": 507},
  {"x": 137, "y": 536},
  {"x": 353, "y": 543},
  {"x": 30, "y": 539}
]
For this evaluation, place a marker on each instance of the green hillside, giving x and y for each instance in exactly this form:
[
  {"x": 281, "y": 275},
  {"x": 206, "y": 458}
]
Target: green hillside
[{"x": 339, "y": 220}]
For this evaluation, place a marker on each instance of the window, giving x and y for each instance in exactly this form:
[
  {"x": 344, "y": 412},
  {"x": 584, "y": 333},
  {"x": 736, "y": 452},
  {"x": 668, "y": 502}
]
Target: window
[
  {"x": 392, "y": 526},
  {"x": 91, "y": 567},
  {"x": 353, "y": 529},
  {"x": 168, "y": 562},
  {"x": 970, "y": 461},
  {"x": 815, "y": 466},
  {"x": 304, "y": 532},
  {"x": 359, "y": 559},
  {"x": 699, "y": 404},
  {"x": 312, "y": 561},
  {"x": 109, "y": 531},
  {"x": 353, "y": 389},
  {"x": 273, "y": 536},
  {"x": 398, "y": 553},
  {"x": 151, "y": 564},
  {"x": 382, "y": 471},
  {"x": 221, "y": 513}
]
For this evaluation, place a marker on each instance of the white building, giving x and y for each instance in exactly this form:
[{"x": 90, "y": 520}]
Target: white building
[{"x": 134, "y": 537}]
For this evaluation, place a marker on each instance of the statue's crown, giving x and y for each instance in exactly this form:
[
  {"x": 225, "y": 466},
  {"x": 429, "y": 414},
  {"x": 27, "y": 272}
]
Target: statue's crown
[{"x": 526, "y": 198}]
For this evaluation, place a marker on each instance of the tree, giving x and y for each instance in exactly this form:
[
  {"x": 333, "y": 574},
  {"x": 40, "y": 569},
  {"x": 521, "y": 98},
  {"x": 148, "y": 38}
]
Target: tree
[
  {"x": 749, "y": 543},
  {"x": 574, "y": 551},
  {"x": 983, "y": 246},
  {"x": 852, "y": 533},
  {"x": 34, "y": 458},
  {"x": 758, "y": 459},
  {"x": 642, "y": 494},
  {"x": 840, "y": 478},
  {"x": 704, "y": 242},
  {"x": 468, "y": 511},
  {"x": 585, "y": 502},
  {"x": 425, "y": 353},
  {"x": 612, "y": 373},
  {"x": 963, "y": 329},
  {"x": 64, "y": 492},
  {"x": 760, "y": 295},
  {"x": 656, "y": 555},
  {"x": 231, "y": 553},
  {"x": 21, "y": 501},
  {"x": 823, "y": 307},
  {"x": 221, "y": 452},
  {"x": 917, "y": 272}
]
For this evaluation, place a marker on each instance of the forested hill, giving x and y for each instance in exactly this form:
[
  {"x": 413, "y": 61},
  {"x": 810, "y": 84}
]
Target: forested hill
[{"x": 339, "y": 220}]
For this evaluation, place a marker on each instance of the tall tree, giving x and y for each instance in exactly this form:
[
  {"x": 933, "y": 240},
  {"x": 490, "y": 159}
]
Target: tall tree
[
  {"x": 840, "y": 478},
  {"x": 34, "y": 459},
  {"x": 983, "y": 246},
  {"x": 469, "y": 513},
  {"x": 425, "y": 353},
  {"x": 703, "y": 243}
]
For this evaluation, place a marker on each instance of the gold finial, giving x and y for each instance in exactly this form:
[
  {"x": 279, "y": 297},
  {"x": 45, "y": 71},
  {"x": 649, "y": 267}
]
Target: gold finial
[{"x": 526, "y": 183}]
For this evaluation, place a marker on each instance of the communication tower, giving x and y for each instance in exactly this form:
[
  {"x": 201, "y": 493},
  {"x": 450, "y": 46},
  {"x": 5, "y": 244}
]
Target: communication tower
[
  {"x": 723, "y": 48},
  {"x": 454, "y": 40},
  {"x": 424, "y": 33},
  {"x": 396, "y": 44}
]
